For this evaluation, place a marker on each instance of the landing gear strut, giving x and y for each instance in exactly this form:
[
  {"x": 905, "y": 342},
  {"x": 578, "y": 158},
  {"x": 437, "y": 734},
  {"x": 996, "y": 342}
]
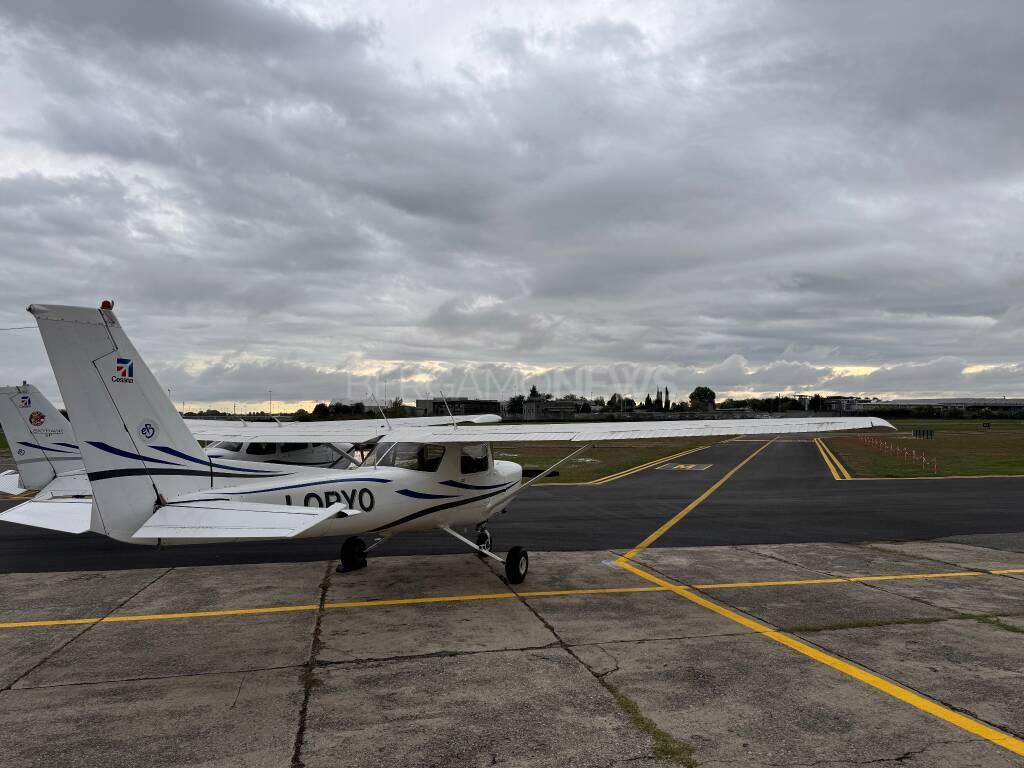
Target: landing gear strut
[
  {"x": 353, "y": 555},
  {"x": 516, "y": 562}
]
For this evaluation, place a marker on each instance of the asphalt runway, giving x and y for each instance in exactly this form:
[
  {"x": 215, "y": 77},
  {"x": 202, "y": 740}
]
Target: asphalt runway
[{"x": 784, "y": 495}]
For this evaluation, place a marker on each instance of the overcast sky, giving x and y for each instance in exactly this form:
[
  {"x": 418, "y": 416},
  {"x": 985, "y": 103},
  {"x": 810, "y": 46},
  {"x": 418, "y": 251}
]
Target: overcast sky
[{"x": 318, "y": 197}]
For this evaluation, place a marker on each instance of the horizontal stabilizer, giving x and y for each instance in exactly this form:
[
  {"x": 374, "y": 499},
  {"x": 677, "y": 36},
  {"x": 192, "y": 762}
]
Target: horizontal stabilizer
[
  {"x": 73, "y": 485},
  {"x": 233, "y": 520},
  {"x": 67, "y": 515},
  {"x": 9, "y": 483}
]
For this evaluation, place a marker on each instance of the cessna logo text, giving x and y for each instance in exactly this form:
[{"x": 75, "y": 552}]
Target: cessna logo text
[
  {"x": 361, "y": 499},
  {"x": 124, "y": 371}
]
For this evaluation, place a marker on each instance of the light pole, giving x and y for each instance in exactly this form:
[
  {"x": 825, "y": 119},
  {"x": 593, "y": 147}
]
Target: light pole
[{"x": 270, "y": 399}]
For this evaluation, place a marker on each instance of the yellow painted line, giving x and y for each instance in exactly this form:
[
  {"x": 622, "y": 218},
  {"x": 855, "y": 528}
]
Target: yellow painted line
[
  {"x": 897, "y": 691},
  {"x": 487, "y": 596},
  {"x": 942, "y": 477},
  {"x": 648, "y": 465},
  {"x": 835, "y": 459},
  {"x": 828, "y": 462},
  {"x": 688, "y": 508},
  {"x": 632, "y": 470},
  {"x": 843, "y": 580},
  {"x": 327, "y": 606}
]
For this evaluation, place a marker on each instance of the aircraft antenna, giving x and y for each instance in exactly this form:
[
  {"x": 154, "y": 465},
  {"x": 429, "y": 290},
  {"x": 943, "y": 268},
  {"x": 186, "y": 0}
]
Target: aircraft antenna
[
  {"x": 447, "y": 408},
  {"x": 382, "y": 414}
]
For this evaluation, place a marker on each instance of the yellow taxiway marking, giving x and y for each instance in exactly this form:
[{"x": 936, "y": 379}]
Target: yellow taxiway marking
[
  {"x": 664, "y": 528},
  {"x": 327, "y": 606},
  {"x": 897, "y": 691},
  {"x": 633, "y": 470},
  {"x": 834, "y": 465},
  {"x": 488, "y": 596}
]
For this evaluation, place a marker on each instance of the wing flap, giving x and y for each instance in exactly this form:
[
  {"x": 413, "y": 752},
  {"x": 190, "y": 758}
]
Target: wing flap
[{"x": 233, "y": 520}]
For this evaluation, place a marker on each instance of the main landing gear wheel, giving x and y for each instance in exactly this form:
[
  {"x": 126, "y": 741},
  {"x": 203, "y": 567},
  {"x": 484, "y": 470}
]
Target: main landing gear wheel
[
  {"x": 517, "y": 563},
  {"x": 483, "y": 540},
  {"x": 353, "y": 555}
]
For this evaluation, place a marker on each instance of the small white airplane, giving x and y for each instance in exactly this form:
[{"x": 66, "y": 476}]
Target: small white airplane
[
  {"x": 152, "y": 484},
  {"x": 40, "y": 438},
  {"x": 47, "y": 458}
]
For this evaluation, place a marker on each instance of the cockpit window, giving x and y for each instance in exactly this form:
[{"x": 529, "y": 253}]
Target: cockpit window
[
  {"x": 229, "y": 447},
  {"x": 261, "y": 449},
  {"x": 474, "y": 458},
  {"x": 289, "y": 447},
  {"x": 417, "y": 456}
]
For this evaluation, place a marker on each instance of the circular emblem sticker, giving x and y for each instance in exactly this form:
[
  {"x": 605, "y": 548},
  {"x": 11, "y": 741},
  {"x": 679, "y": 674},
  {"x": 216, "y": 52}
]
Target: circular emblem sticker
[
  {"x": 36, "y": 418},
  {"x": 148, "y": 430}
]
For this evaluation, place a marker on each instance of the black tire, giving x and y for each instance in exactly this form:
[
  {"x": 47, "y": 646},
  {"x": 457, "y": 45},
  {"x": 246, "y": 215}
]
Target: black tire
[
  {"x": 353, "y": 554},
  {"x": 484, "y": 541},
  {"x": 517, "y": 563}
]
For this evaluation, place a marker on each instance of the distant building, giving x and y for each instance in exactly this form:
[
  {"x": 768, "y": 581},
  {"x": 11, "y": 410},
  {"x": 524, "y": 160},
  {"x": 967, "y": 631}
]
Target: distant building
[
  {"x": 539, "y": 409},
  {"x": 460, "y": 406}
]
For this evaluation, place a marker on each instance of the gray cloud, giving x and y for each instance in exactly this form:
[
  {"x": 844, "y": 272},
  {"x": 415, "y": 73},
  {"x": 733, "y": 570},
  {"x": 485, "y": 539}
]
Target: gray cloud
[{"x": 755, "y": 196}]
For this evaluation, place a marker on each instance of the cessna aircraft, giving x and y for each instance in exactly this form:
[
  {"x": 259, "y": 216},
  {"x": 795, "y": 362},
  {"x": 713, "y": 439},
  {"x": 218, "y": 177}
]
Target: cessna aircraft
[
  {"x": 152, "y": 484},
  {"x": 40, "y": 439},
  {"x": 43, "y": 444}
]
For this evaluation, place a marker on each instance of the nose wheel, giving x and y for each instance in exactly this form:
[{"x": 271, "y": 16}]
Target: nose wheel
[{"x": 483, "y": 542}]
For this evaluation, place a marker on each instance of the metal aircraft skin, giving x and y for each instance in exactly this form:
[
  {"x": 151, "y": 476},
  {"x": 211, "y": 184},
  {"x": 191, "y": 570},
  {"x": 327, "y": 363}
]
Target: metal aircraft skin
[{"x": 152, "y": 483}]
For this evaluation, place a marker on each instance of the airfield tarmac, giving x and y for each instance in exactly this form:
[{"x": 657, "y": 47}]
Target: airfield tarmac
[{"x": 758, "y": 611}]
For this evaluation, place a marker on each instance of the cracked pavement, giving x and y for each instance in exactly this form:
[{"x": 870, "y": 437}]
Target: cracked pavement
[{"x": 516, "y": 681}]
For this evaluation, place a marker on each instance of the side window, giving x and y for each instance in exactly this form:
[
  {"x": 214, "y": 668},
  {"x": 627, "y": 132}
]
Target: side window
[
  {"x": 289, "y": 447},
  {"x": 261, "y": 449},
  {"x": 230, "y": 447},
  {"x": 475, "y": 458}
]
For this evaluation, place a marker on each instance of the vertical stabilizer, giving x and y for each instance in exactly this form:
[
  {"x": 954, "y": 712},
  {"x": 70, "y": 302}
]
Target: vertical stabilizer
[
  {"x": 39, "y": 437},
  {"x": 136, "y": 448}
]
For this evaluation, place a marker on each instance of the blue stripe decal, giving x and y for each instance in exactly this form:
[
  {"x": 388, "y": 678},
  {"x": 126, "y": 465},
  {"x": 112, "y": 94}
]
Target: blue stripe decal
[
  {"x": 68, "y": 445},
  {"x": 469, "y": 486},
  {"x": 43, "y": 448},
  {"x": 205, "y": 462},
  {"x": 420, "y": 495},
  {"x": 307, "y": 485},
  {"x": 129, "y": 455}
]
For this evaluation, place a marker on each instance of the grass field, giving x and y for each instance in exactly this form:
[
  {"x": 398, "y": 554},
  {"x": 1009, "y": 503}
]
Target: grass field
[
  {"x": 601, "y": 460},
  {"x": 960, "y": 447}
]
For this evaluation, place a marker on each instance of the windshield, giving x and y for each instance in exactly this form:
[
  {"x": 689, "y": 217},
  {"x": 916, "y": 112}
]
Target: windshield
[{"x": 417, "y": 456}]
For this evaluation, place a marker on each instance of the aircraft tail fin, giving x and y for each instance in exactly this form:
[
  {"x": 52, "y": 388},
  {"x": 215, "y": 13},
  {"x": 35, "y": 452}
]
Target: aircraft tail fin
[
  {"x": 136, "y": 448},
  {"x": 39, "y": 436}
]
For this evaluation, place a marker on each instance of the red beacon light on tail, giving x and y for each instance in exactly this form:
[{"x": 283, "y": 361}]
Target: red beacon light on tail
[{"x": 106, "y": 304}]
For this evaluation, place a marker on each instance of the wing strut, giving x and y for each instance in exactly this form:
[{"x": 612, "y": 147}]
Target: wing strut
[{"x": 505, "y": 498}]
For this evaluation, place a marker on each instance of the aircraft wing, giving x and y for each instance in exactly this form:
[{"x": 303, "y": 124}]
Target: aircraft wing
[
  {"x": 232, "y": 520},
  {"x": 345, "y": 431},
  {"x": 587, "y": 432}
]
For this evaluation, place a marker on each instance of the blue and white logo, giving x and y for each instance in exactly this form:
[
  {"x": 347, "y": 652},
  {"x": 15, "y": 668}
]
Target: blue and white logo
[
  {"x": 148, "y": 430},
  {"x": 25, "y": 401}
]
